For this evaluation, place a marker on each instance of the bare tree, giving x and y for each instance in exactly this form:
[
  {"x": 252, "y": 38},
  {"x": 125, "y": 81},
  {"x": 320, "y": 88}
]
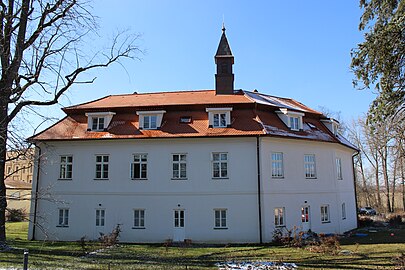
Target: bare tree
[{"x": 41, "y": 58}]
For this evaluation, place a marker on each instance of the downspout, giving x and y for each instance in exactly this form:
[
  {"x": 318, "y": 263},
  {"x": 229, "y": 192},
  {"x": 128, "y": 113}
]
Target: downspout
[
  {"x": 259, "y": 191},
  {"x": 36, "y": 192},
  {"x": 355, "y": 188}
]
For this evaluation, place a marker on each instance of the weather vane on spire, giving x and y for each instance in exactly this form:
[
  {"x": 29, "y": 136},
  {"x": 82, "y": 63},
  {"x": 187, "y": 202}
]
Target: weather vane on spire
[{"x": 223, "y": 23}]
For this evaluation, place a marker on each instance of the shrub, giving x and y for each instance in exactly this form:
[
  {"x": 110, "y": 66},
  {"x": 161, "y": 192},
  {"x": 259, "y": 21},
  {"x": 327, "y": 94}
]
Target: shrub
[
  {"x": 110, "y": 239},
  {"x": 326, "y": 244},
  {"x": 395, "y": 221},
  {"x": 365, "y": 222},
  {"x": 15, "y": 215}
]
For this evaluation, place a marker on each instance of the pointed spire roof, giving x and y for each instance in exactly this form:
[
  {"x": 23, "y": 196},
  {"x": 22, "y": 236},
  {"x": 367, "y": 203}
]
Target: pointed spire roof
[{"x": 223, "y": 48}]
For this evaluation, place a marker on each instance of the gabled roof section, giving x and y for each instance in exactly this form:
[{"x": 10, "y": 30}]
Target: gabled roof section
[{"x": 224, "y": 49}]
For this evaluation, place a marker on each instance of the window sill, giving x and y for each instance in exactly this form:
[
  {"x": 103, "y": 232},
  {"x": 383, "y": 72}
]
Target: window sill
[
  {"x": 280, "y": 226},
  {"x": 277, "y": 178},
  {"x": 65, "y": 179},
  {"x": 179, "y": 179},
  {"x": 62, "y": 226},
  {"x": 220, "y": 178},
  {"x": 325, "y": 222},
  {"x": 313, "y": 178},
  {"x": 218, "y": 228},
  {"x": 138, "y": 228},
  {"x": 139, "y": 179},
  {"x": 102, "y": 179}
]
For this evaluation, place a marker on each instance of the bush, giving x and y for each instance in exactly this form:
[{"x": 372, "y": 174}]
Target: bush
[
  {"x": 365, "y": 222},
  {"x": 326, "y": 244},
  {"x": 395, "y": 221},
  {"x": 15, "y": 215},
  {"x": 110, "y": 239}
]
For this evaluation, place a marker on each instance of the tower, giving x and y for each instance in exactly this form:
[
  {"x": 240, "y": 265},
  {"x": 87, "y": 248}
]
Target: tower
[{"x": 224, "y": 60}]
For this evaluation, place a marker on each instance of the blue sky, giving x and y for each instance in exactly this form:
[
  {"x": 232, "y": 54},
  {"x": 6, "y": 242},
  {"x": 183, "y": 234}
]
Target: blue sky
[{"x": 297, "y": 49}]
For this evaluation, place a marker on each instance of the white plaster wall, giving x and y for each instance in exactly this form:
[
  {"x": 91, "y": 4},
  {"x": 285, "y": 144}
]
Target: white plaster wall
[
  {"x": 159, "y": 195},
  {"x": 294, "y": 190}
]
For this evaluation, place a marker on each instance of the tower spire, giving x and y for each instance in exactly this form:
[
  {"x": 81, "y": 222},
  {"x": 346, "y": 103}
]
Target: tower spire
[{"x": 224, "y": 60}]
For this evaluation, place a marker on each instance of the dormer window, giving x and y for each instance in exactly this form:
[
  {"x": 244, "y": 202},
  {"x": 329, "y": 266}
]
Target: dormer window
[
  {"x": 219, "y": 117},
  {"x": 219, "y": 120},
  {"x": 150, "y": 119},
  {"x": 332, "y": 125},
  {"x": 292, "y": 119},
  {"x": 294, "y": 123},
  {"x": 98, "y": 121}
]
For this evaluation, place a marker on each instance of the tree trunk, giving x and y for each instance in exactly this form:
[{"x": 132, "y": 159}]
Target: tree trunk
[
  {"x": 3, "y": 152},
  {"x": 377, "y": 183},
  {"x": 386, "y": 179},
  {"x": 394, "y": 180}
]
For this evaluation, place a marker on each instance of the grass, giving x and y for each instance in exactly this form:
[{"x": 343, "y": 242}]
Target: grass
[{"x": 375, "y": 251}]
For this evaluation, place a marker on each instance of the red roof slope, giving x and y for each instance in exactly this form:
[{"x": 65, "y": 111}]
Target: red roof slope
[{"x": 252, "y": 114}]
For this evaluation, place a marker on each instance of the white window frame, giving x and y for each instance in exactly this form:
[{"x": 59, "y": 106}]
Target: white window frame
[
  {"x": 100, "y": 217},
  {"x": 179, "y": 166},
  {"x": 310, "y": 166},
  {"x": 95, "y": 117},
  {"x": 150, "y": 121},
  {"x": 141, "y": 160},
  {"x": 222, "y": 172},
  {"x": 277, "y": 165},
  {"x": 63, "y": 217},
  {"x": 219, "y": 117},
  {"x": 325, "y": 213},
  {"x": 339, "y": 172},
  {"x": 104, "y": 167},
  {"x": 219, "y": 120},
  {"x": 139, "y": 219},
  {"x": 221, "y": 218},
  {"x": 66, "y": 167},
  {"x": 147, "y": 125},
  {"x": 343, "y": 210},
  {"x": 294, "y": 122},
  {"x": 97, "y": 123},
  {"x": 287, "y": 115},
  {"x": 279, "y": 216}
]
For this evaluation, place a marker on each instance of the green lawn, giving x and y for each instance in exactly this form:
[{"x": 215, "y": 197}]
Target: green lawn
[{"x": 50, "y": 255}]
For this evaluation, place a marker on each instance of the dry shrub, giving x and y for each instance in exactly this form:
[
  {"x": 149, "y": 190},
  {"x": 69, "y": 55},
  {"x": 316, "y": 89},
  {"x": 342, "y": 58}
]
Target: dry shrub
[
  {"x": 110, "y": 239},
  {"x": 326, "y": 245}
]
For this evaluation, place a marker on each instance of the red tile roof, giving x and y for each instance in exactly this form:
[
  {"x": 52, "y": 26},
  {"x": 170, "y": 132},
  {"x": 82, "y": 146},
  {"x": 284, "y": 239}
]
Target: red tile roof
[{"x": 252, "y": 114}]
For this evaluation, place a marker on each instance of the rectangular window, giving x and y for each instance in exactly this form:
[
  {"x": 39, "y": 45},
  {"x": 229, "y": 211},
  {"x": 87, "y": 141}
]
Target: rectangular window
[
  {"x": 149, "y": 121},
  {"x": 219, "y": 120},
  {"x": 309, "y": 166},
  {"x": 66, "y": 165},
  {"x": 339, "y": 169},
  {"x": 279, "y": 220},
  {"x": 102, "y": 166},
  {"x": 220, "y": 218},
  {"x": 277, "y": 170},
  {"x": 343, "y": 211},
  {"x": 97, "y": 123},
  {"x": 219, "y": 165},
  {"x": 63, "y": 217},
  {"x": 139, "y": 167},
  {"x": 325, "y": 213},
  {"x": 179, "y": 166},
  {"x": 179, "y": 218},
  {"x": 139, "y": 218},
  {"x": 100, "y": 217},
  {"x": 294, "y": 123}
]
